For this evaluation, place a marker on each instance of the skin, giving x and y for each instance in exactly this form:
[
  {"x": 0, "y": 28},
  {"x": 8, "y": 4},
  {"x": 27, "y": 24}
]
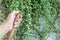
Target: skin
[{"x": 8, "y": 24}]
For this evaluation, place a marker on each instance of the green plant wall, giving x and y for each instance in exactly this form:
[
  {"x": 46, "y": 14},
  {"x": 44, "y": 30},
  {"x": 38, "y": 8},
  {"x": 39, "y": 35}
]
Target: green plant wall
[{"x": 33, "y": 11}]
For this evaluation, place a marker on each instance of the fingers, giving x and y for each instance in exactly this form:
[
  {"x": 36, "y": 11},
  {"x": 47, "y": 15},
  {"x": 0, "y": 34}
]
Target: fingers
[
  {"x": 16, "y": 24},
  {"x": 20, "y": 16},
  {"x": 18, "y": 20}
]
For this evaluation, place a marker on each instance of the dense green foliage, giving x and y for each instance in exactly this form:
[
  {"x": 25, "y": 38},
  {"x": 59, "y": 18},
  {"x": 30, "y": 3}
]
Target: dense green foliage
[{"x": 33, "y": 11}]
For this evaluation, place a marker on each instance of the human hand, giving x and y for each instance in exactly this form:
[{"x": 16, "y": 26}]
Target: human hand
[{"x": 10, "y": 20}]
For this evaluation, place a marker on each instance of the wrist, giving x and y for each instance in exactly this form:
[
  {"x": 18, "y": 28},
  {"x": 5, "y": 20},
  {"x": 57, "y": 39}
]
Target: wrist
[{"x": 9, "y": 26}]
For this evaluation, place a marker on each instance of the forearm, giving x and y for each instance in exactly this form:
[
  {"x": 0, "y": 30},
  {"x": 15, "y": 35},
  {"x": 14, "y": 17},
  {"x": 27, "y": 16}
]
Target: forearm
[
  {"x": 8, "y": 24},
  {"x": 3, "y": 30}
]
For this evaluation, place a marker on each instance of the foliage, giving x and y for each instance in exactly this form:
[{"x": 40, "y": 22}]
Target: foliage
[{"x": 33, "y": 11}]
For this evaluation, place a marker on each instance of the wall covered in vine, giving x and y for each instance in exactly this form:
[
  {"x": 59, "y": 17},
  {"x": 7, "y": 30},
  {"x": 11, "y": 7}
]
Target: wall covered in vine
[{"x": 41, "y": 18}]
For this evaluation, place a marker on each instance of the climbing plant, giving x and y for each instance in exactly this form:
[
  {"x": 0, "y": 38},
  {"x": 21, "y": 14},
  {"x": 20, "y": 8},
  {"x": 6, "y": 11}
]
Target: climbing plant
[{"x": 33, "y": 11}]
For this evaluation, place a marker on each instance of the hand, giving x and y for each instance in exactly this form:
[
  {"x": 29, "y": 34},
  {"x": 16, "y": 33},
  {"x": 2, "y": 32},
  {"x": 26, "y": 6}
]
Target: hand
[{"x": 10, "y": 20}]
